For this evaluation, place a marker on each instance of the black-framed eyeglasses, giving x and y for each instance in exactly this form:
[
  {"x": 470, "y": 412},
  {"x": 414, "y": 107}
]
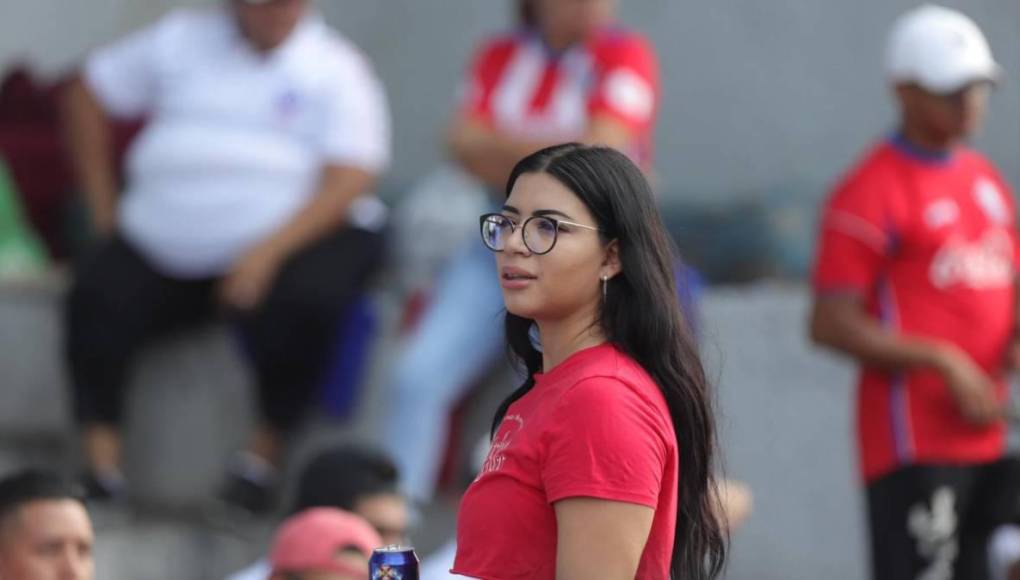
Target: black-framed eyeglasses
[{"x": 539, "y": 232}]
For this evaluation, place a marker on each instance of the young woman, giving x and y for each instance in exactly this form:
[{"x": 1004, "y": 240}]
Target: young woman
[
  {"x": 569, "y": 73},
  {"x": 601, "y": 462}
]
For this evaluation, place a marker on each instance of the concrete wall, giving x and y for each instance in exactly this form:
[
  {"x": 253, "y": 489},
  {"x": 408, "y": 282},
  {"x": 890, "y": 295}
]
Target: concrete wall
[
  {"x": 759, "y": 97},
  {"x": 53, "y": 34}
]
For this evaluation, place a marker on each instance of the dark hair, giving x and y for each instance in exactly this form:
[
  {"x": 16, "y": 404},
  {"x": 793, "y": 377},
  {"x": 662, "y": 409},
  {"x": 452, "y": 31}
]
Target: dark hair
[
  {"x": 340, "y": 476},
  {"x": 526, "y": 15},
  {"x": 31, "y": 485},
  {"x": 641, "y": 317}
]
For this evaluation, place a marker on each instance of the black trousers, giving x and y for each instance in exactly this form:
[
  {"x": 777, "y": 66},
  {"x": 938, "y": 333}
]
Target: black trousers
[
  {"x": 931, "y": 522},
  {"x": 119, "y": 303}
]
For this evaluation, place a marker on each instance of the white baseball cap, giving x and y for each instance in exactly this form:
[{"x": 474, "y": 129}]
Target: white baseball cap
[{"x": 941, "y": 50}]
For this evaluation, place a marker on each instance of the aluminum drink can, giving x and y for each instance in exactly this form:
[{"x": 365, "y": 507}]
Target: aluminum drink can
[{"x": 393, "y": 563}]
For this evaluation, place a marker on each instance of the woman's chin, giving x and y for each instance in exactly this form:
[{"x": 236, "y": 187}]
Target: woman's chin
[{"x": 520, "y": 308}]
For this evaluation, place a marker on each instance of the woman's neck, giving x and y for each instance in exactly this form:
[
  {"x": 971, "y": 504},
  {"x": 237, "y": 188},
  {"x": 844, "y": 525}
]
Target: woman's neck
[{"x": 562, "y": 338}]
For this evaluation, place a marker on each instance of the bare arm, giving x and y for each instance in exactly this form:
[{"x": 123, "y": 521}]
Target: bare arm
[
  {"x": 250, "y": 278},
  {"x": 338, "y": 187},
  {"x": 840, "y": 323},
  {"x": 490, "y": 155},
  {"x": 600, "y": 539},
  {"x": 87, "y": 134}
]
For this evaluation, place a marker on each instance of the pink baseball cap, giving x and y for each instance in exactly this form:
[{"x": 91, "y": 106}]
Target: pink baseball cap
[{"x": 311, "y": 540}]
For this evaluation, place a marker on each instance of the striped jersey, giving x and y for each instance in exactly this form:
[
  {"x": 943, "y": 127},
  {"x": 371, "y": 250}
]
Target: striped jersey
[{"x": 518, "y": 85}]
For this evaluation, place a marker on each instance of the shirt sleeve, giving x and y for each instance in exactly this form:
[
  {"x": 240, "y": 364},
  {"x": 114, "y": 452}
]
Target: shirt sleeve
[
  {"x": 124, "y": 75},
  {"x": 357, "y": 131},
  {"x": 479, "y": 83},
  {"x": 607, "y": 443},
  {"x": 858, "y": 234},
  {"x": 627, "y": 84},
  {"x": 1010, "y": 200}
]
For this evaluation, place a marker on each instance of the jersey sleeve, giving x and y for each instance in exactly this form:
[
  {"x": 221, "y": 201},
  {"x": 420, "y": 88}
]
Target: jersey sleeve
[
  {"x": 124, "y": 76},
  {"x": 357, "y": 130},
  {"x": 479, "y": 83},
  {"x": 858, "y": 233},
  {"x": 608, "y": 443},
  {"x": 1009, "y": 199},
  {"x": 627, "y": 83}
]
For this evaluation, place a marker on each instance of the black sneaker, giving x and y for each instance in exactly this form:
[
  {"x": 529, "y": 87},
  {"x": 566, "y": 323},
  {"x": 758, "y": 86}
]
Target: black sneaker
[
  {"x": 257, "y": 497},
  {"x": 251, "y": 485},
  {"x": 103, "y": 490}
]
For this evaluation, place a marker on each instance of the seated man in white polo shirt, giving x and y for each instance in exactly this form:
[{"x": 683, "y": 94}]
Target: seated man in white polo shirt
[{"x": 247, "y": 191}]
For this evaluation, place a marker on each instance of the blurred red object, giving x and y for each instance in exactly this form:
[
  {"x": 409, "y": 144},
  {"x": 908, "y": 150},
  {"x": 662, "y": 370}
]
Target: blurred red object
[{"x": 31, "y": 144}]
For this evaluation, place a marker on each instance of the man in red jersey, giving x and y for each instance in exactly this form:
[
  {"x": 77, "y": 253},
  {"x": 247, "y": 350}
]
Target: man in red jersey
[{"x": 915, "y": 280}]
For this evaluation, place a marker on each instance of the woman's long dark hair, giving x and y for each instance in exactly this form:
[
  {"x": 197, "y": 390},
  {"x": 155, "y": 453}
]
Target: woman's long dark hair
[{"x": 641, "y": 317}]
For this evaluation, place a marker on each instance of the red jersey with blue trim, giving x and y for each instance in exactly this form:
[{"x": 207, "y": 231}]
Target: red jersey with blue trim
[
  {"x": 929, "y": 243},
  {"x": 518, "y": 85}
]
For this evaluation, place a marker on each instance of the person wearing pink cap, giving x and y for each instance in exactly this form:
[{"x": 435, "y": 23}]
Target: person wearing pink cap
[
  {"x": 915, "y": 280},
  {"x": 323, "y": 544}
]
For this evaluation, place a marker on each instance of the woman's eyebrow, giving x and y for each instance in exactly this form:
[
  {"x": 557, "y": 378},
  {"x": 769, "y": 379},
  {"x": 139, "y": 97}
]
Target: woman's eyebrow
[
  {"x": 537, "y": 212},
  {"x": 546, "y": 212}
]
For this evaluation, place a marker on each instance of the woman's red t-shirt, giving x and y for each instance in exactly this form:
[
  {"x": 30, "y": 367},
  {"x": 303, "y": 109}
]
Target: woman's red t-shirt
[{"x": 595, "y": 426}]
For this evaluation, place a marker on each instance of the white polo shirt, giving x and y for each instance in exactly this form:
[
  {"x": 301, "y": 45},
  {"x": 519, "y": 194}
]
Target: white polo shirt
[{"x": 236, "y": 140}]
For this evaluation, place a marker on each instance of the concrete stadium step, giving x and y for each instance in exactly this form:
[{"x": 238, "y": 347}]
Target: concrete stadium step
[{"x": 188, "y": 406}]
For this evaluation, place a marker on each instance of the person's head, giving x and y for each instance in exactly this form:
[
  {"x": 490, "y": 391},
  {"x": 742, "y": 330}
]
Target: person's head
[
  {"x": 638, "y": 311},
  {"x": 45, "y": 531},
  {"x": 942, "y": 69},
  {"x": 564, "y": 22},
  {"x": 268, "y": 23},
  {"x": 323, "y": 544},
  {"x": 358, "y": 480}
]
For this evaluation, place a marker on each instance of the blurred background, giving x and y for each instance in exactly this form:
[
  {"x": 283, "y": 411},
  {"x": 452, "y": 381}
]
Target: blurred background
[{"x": 764, "y": 105}]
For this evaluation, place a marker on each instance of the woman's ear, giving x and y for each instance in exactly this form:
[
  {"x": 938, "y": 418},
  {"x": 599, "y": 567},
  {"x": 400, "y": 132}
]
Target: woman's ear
[{"x": 611, "y": 265}]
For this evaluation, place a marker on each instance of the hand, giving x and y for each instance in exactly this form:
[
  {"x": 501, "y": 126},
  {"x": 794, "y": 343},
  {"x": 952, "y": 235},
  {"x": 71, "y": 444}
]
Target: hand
[
  {"x": 972, "y": 388},
  {"x": 735, "y": 501},
  {"x": 102, "y": 222},
  {"x": 248, "y": 281}
]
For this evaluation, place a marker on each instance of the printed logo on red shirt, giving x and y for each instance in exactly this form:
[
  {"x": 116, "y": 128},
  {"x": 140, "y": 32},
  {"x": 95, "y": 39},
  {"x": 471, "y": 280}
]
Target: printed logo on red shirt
[
  {"x": 511, "y": 426},
  {"x": 990, "y": 199},
  {"x": 981, "y": 264},
  {"x": 941, "y": 213}
]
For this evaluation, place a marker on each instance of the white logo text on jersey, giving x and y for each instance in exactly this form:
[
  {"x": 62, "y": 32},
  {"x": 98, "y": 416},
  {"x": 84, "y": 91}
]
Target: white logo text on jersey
[
  {"x": 940, "y": 213},
  {"x": 991, "y": 201},
  {"x": 981, "y": 264}
]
